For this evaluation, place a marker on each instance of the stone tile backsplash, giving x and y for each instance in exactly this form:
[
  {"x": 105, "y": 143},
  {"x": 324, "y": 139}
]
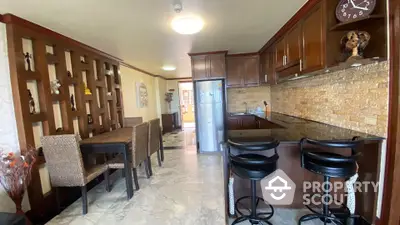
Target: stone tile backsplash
[
  {"x": 253, "y": 96},
  {"x": 355, "y": 98}
]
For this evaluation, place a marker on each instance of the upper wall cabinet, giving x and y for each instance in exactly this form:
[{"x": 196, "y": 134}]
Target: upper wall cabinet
[
  {"x": 208, "y": 66},
  {"x": 243, "y": 70},
  {"x": 267, "y": 58},
  {"x": 313, "y": 41},
  {"x": 288, "y": 52}
]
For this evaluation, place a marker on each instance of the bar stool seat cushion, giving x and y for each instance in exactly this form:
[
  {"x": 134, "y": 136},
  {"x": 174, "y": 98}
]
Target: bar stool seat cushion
[
  {"x": 254, "y": 159},
  {"x": 337, "y": 166},
  {"x": 253, "y": 166}
]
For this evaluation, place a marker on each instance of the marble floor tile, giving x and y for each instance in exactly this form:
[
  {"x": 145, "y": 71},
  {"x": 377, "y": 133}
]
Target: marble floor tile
[{"x": 186, "y": 190}]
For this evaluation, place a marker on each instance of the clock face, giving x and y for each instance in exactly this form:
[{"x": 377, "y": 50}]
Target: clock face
[{"x": 348, "y": 10}]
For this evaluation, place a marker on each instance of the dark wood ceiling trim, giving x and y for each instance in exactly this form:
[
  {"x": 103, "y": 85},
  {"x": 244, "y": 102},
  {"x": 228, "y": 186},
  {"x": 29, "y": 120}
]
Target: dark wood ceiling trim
[
  {"x": 1, "y": 18},
  {"x": 12, "y": 19},
  {"x": 296, "y": 18},
  {"x": 208, "y": 53},
  {"x": 243, "y": 54},
  {"x": 391, "y": 197},
  {"x": 140, "y": 70},
  {"x": 180, "y": 78}
]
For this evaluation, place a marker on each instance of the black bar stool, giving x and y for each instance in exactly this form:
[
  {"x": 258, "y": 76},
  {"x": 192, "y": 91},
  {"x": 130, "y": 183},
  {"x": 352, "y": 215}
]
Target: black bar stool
[
  {"x": 253, "y": 167},
  {"x": 329, "y": 165}
]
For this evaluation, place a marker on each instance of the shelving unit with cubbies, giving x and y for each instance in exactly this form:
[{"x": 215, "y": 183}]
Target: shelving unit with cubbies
[{"x": 76, "y": 66}]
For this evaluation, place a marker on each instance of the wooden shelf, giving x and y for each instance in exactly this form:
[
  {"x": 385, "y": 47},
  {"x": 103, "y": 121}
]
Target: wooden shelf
[
  {"x": 109, "y": 98},
  {"x": 85, "y": 66},
  {"x": 76, "y": 113},
  {"x": 89, "y": 97},
  {"x": 31, "y": 75},
  {"x": 357, "y": 23},
  {"x": 100, "y": 83},
  {"x": 37, "y": 117},
  {"x": 72, "y": 80},
  {"x": 51, "y": 59},
  {"x": 56, "y": 98}
]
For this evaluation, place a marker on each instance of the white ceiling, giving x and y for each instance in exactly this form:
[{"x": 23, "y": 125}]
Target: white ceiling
[{"x": 138, "y": 31}]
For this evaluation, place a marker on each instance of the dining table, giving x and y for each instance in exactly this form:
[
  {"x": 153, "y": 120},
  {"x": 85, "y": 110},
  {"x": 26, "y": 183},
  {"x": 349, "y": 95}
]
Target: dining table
[{"x": 116, "y": 141}]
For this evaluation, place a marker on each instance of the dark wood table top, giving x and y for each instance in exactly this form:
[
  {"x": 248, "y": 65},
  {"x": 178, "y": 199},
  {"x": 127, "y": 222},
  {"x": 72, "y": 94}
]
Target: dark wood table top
[{"x": 121, "y": 135}]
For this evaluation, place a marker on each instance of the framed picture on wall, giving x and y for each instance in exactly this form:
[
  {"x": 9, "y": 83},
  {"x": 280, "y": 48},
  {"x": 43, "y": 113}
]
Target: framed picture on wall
[{"x": 141, "y": 95}]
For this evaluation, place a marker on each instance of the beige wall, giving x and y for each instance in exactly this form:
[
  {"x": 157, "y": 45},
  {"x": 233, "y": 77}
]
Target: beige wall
[
  {"x": 254, "y": 96},
  {"x": 8, "y": 132},
  {"x": 155, "y": 87},
  {"x": 355, "y": 98}
]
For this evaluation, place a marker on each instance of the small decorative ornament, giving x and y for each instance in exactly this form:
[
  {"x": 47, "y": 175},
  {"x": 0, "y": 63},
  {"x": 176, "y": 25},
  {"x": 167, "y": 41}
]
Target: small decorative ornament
[
  {"x": 69, "y": 74},
  {"x": 60, "y": 129},
  {"x": 31, "y": 101},
  {"x": 55, "y": 85},
  {"x": 87, "y": 90},
  {"x": 354, "y": 43},
  {"x": 109, "y": 94},
  {"x": 73, "y": 103},
  {"x": 28, "y": 58},
  {"x": 90, "y": 118}
]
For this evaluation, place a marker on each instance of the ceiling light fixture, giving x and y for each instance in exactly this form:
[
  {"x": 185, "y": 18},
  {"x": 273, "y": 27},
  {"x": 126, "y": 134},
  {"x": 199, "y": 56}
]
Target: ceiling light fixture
[
  {"x": 189, "y": 24},
  {"x": 185, "y": 24},
  {"x": 169, "y": 68}
]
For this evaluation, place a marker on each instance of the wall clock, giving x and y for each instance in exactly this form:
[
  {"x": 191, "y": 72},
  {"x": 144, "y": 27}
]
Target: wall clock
[{"x": 348, "y": 10}]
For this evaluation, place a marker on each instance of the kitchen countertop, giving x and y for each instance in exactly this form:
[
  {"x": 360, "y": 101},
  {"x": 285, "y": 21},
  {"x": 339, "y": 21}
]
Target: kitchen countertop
[{"x": 295, "y": 128}]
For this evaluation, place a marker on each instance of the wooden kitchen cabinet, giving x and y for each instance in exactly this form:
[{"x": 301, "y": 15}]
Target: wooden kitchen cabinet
[
  {"x": 199, "y": 70},
  {"x": 280, "y": 53},
  {"x": 249, "y": 122},
  {"x": 234, "y": 72},
  {"x": 208, "y": 65},
  {"x": 313, "y": 38},
  {"x": 267, "y": 75},
  {"x": 293, "y": 46},
  {"x": 243, "y": 70},
  {"x": 234, "y": 123},
  {"x": 217, "y": 66}
]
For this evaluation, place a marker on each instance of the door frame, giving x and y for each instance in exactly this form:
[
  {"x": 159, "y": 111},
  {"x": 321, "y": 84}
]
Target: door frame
[
  {"x": 179, "y": 96},
  {"x": 390, "y": 214}
]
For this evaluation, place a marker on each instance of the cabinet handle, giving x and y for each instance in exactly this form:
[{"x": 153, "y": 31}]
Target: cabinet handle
[
  {"x": 283, "y": 60},
  {"x": 266, "y": 77},
  {"x": 301, "y": 65}
]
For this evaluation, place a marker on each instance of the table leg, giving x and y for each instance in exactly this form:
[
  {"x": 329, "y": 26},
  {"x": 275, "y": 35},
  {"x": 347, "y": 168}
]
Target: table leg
[
  {"x": 161, "y": 147},
  {"x": 128, "y": 172}
]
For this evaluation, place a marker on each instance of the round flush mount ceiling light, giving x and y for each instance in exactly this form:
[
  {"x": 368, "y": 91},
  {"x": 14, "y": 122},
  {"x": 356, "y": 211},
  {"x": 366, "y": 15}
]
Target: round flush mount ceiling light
[
  {"x": 187, "y": 24},
  {"x": 169, "y": 68}
]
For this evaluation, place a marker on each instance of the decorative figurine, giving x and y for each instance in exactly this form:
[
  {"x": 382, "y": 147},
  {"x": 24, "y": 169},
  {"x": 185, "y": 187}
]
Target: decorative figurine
[
  {"x": 55, "y": 85},
  {"x": 87, "y": 90},
  {"x": 73, "y": 103},
  {"x": 28, "y": 58},
  {"x": 69, "y": 74},
  {"x": 90, "y": 118},
  {"x": 354, "y": 43},
  {"x": 109, "y": 93},
  {"x": 32, "y": 109}
]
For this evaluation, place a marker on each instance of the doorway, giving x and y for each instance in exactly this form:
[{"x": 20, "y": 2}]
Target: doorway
[{"x": 186, "y": 101}]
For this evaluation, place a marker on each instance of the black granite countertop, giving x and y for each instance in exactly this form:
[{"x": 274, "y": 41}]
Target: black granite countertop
[{"x": 295, "y": 128}]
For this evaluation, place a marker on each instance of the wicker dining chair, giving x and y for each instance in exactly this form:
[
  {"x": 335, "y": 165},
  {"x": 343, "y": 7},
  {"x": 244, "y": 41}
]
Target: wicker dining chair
[
  {"x": 154, "y": 140},
  {"x": 139, "y": 148},
  {"x": 65, "y": 165},
  {"x": 132, "y": 121}
]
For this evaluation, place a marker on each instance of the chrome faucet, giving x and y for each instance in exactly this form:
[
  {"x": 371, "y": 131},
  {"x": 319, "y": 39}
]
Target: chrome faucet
[{"x": 247, "y": 109}]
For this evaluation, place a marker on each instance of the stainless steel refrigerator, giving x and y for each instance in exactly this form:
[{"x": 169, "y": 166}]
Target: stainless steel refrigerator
[{"x": 210, "y": 111}]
